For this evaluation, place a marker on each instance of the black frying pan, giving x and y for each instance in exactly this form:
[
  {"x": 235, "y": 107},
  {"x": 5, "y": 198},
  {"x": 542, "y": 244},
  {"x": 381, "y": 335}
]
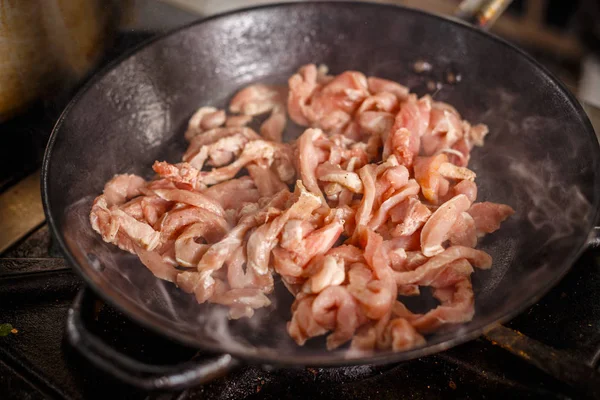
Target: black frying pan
[{"x": 541, "y": 157}]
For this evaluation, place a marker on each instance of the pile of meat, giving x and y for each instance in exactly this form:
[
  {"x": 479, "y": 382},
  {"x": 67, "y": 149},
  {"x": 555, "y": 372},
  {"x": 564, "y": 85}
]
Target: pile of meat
[{"x": 373, "y": 201}]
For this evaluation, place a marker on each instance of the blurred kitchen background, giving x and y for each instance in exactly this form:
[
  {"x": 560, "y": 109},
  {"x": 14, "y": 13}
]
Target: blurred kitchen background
[
  {"x": 562, "y": 34},
  {"x": 49, "y": 51}
]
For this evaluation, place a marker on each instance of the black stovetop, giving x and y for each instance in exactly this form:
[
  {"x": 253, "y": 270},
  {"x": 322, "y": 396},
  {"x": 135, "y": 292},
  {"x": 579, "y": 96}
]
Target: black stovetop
[{"x": 37, "y": 289}]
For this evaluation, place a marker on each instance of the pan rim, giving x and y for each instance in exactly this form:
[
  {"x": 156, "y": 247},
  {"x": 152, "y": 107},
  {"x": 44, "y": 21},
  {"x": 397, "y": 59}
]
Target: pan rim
[{"x": 131, "y": 308}]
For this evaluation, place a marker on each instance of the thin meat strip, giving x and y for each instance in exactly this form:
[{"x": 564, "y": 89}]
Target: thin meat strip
[{"x": 383, "y": 205}]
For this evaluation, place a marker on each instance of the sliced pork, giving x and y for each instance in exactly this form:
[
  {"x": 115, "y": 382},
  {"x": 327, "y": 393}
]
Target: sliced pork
[{"x": 371, "y": 203}]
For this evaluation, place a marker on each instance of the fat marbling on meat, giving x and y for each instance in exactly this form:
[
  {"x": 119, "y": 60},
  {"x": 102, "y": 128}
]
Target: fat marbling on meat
[{"x": 373, "y": 201}]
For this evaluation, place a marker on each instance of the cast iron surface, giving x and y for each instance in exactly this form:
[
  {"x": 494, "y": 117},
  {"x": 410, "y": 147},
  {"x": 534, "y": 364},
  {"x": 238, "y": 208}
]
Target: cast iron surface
[
  {"x": 38, "y": 363},
  {"x": 541, "y": 157}
]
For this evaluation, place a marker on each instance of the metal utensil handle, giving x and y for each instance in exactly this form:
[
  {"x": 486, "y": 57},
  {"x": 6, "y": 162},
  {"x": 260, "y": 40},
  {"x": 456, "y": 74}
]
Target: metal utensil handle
[
  {"x": 593, "y": 241},
  {"x": 482, "y": 13},
  {"x": 136, "y": 373},
  {"x": 554, "y": 362}
]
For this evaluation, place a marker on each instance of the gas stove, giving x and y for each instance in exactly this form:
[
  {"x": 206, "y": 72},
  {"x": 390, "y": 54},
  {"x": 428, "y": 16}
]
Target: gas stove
[
  {"x": 37, "y": 289},
  {"x": 36, "y": 361}
]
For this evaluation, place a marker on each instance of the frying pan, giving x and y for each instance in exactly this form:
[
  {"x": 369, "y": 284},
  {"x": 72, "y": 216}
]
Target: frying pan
[{"x": 541, "y": 157}]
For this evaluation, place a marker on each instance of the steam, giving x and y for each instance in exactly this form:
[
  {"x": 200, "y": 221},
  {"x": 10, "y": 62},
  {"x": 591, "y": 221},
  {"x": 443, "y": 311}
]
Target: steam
[
  {"x": 533, "y": 163},
  {"x": 215, "y": 325},
  {"x": 555, "y": 208},
  {"x": 547, "y": 205},
  {"x": 124, "y": 273}
]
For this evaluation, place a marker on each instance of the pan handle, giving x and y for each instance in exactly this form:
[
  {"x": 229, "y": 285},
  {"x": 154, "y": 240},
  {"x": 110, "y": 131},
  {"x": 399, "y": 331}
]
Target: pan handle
[
  {"x": 481, "y": 13},
  {"x": 574, "y": 372},
  {"x": 136, "y": 373}
]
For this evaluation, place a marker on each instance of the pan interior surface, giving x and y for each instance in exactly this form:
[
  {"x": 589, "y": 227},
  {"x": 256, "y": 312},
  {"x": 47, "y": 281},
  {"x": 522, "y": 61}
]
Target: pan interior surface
[{"x": 540, "y": 156}]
